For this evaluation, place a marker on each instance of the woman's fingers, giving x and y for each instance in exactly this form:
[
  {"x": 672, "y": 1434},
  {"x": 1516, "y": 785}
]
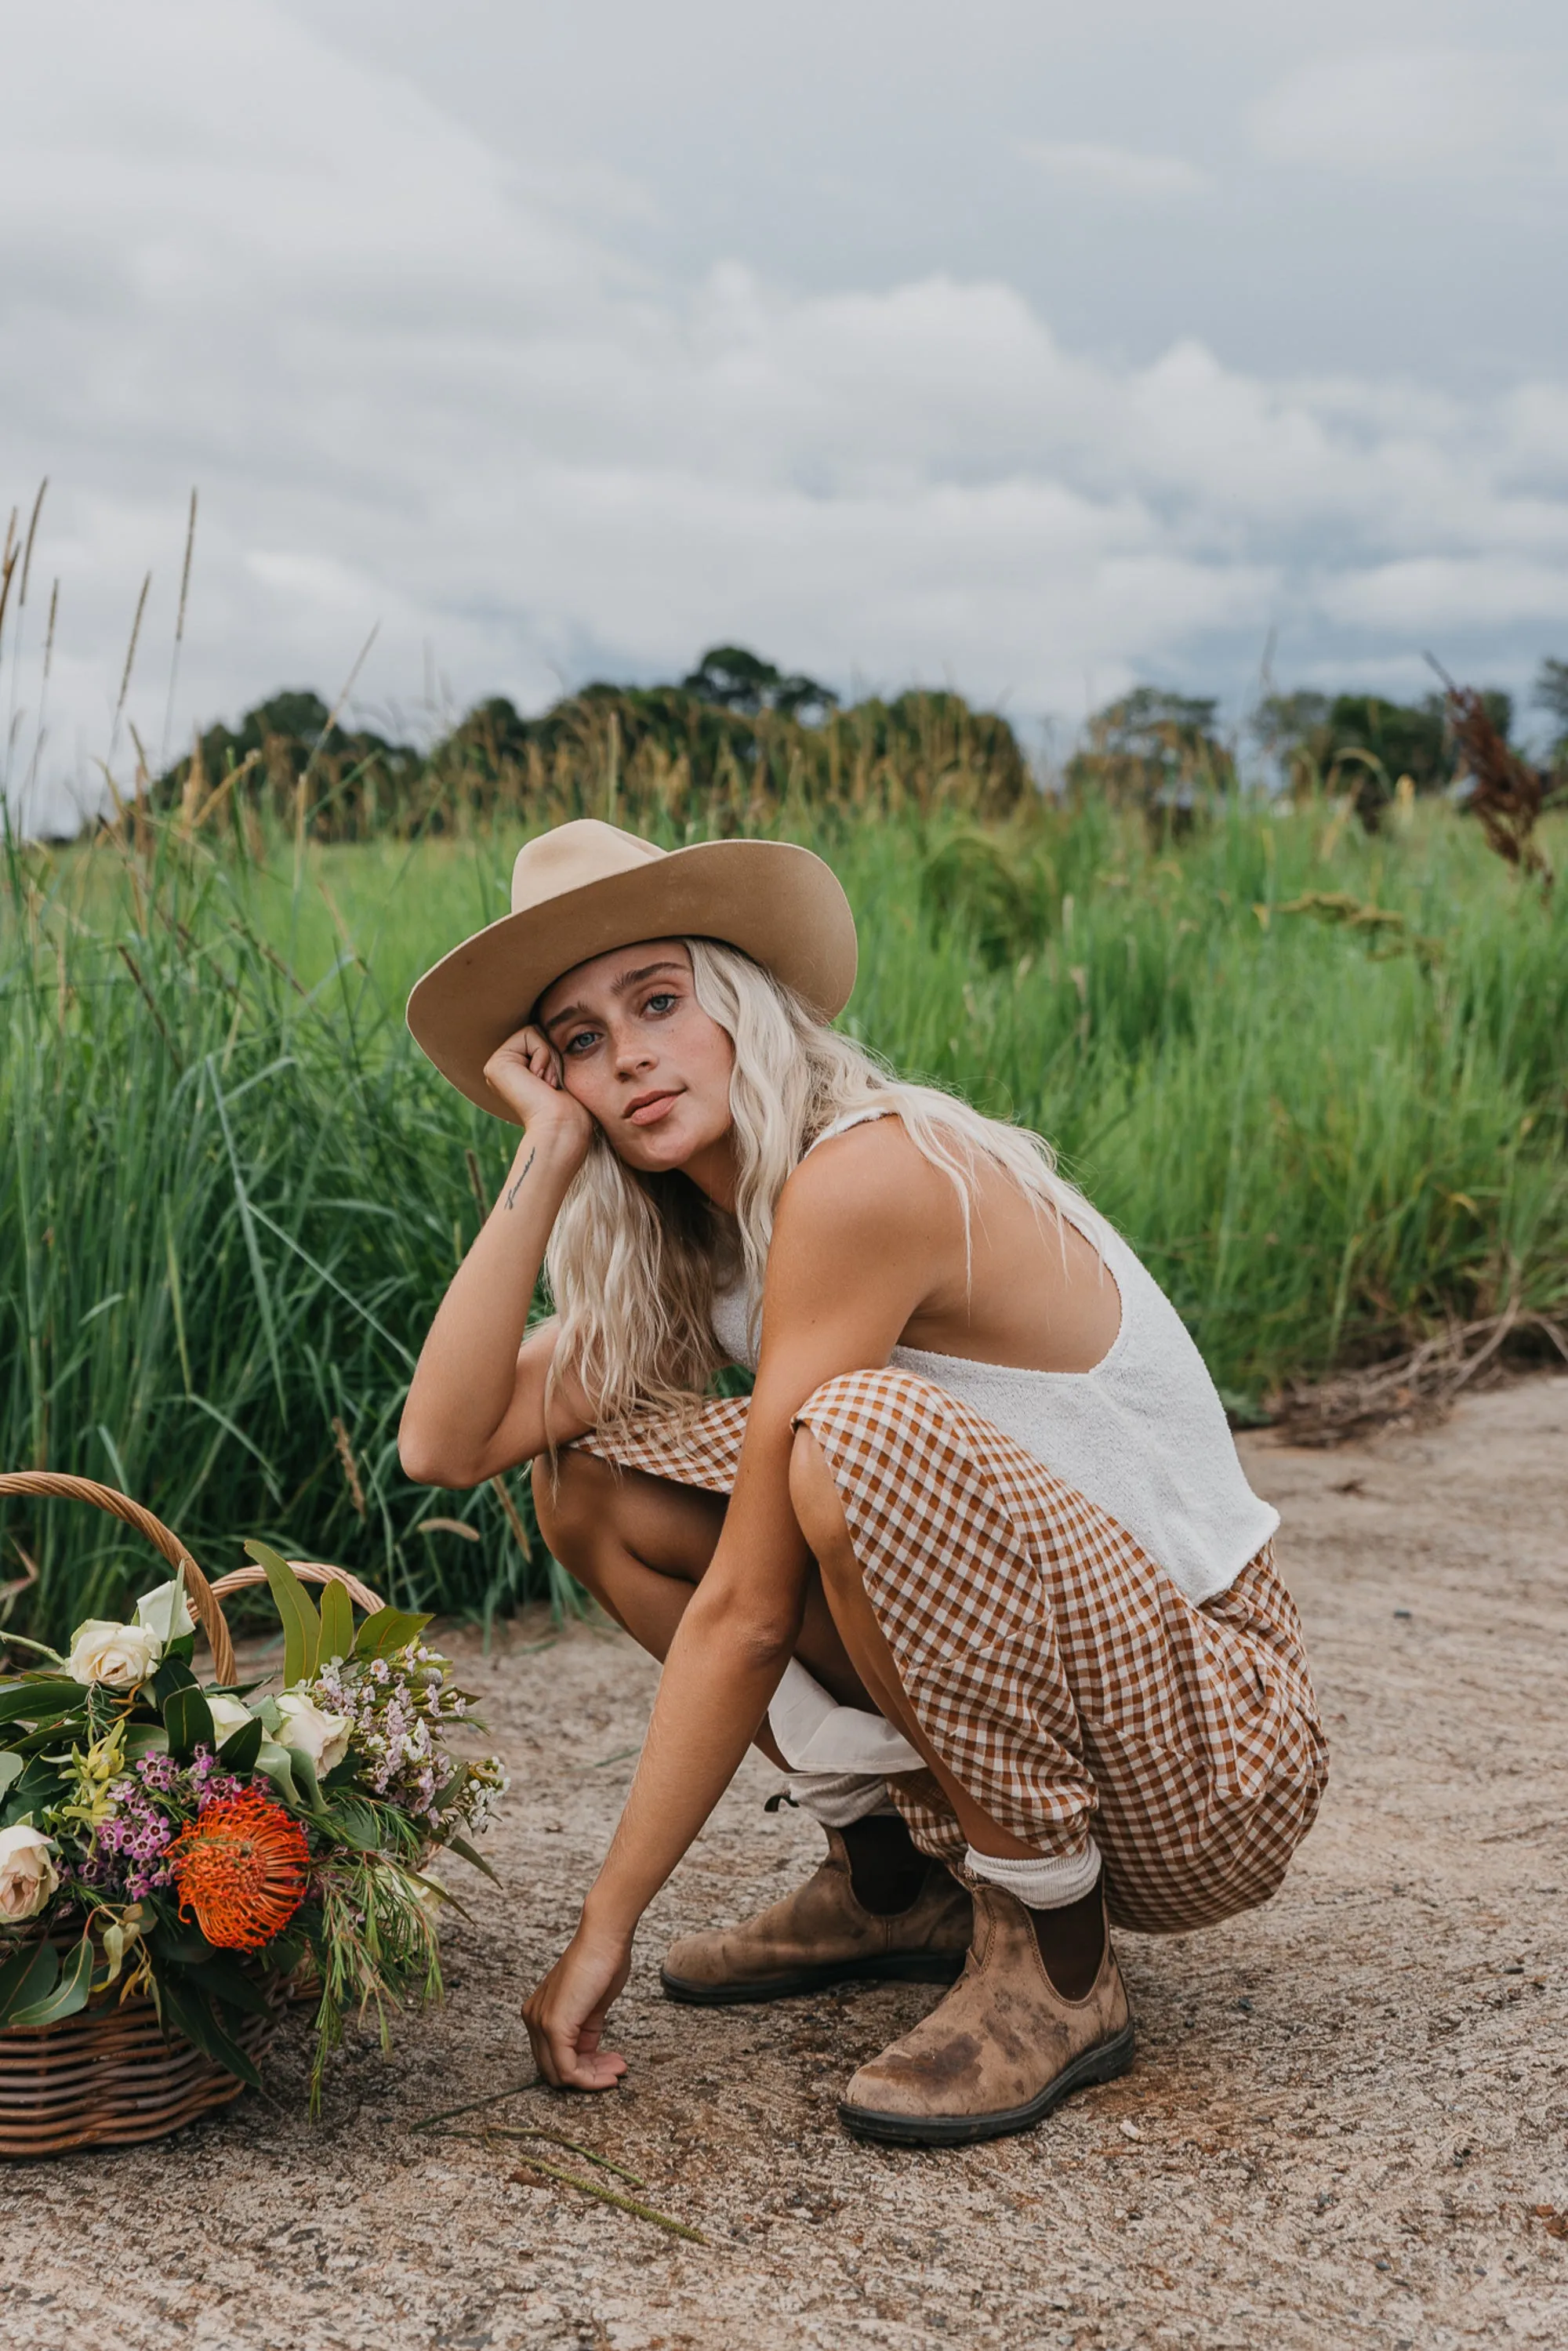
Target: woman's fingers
[
  {"x": 541, "y": 1056},
  {"x": 565, "y": 2016},
  {"x": 525, "y": 1059},
  {"x": 571, "y": 2060}
]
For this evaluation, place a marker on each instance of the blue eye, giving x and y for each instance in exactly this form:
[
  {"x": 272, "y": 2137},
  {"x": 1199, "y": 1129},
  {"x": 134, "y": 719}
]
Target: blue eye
[
  {"x": 578, "y": 1044},
  {"x": 662, "y": 1001}
]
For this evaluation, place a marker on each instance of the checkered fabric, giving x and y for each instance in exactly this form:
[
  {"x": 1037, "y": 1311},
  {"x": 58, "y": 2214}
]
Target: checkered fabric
[{"x": 1059, "y": 1673}]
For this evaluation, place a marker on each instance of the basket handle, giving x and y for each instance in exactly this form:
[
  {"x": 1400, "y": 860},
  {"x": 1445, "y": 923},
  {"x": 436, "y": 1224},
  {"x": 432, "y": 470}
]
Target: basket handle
[
  {"x": 58, "y": 1484},
  {"x": 312, "y": 1572}
]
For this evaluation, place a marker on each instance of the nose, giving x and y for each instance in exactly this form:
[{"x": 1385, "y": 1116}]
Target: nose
[{"x": 634, "y": 1053}]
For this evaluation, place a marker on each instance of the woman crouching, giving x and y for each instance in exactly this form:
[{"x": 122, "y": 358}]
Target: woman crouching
[{"x": 976, "y": 1564}]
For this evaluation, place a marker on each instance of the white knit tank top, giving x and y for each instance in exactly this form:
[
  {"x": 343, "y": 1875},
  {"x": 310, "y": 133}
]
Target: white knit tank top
[{"x": 1142, "y": 1436}]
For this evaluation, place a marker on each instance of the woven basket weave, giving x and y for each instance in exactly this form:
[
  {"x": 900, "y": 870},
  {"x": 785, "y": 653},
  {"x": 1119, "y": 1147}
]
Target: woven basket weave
[{"x": 109, "y": 2075}]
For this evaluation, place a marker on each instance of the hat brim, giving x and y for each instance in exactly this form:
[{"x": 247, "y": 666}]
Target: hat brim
[{"x": 777, "y": 903}]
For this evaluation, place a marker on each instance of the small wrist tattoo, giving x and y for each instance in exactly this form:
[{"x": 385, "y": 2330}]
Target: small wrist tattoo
[{"x": 517, "y": 1186}]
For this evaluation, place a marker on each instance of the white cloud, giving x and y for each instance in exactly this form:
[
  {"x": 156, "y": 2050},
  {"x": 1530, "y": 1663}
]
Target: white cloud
[
  {"x": 1416, "y": 113},
  {"x": 1437, "y": 592},
  {"x": 412, "y": 392},
  {"x": 1092, "y": 169}
]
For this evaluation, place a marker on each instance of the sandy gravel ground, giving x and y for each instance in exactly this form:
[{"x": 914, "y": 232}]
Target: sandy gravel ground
[{"x": 1346, "y": 2126}]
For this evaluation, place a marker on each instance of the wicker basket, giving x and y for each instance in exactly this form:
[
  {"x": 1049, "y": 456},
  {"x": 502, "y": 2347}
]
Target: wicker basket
[{"x": 109, "y": 2075}]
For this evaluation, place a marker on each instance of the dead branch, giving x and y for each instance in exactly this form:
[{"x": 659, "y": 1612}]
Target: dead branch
[{"x": 1415, "y": 1391}]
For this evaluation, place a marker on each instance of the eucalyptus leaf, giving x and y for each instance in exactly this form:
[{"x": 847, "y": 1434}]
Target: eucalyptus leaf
[
  {"x": 461, "y": 1847},
  {"x": 174, "y": 1674},
  {"x": 68, "y": 1994},
  {"x": 241, "y": 1748},
  {"x": 386, "y": 1630},
  {"x": 30, "y": 1701},
  {"x": 40, "y": 1784},
  {"x": 27, "y": 1975},
  {"x": 189, "y": 1721},
  {"x": 11, "y": 1767},
  {"x": 144, "y": 1739},
  {"x": 225, "y": 1979},
  {"x": 304, "y": 1780},
  {"x": 297, "y": 1612},
  {"x": 183, "y": 1945},
  {"x": 442, "y": 1893},
  {"x": 278, "y": 1765},
  {"x": 189, "y": 2010},
  {"x": 48, "y": 1737},
  {"x": 337, "y": 1621}
]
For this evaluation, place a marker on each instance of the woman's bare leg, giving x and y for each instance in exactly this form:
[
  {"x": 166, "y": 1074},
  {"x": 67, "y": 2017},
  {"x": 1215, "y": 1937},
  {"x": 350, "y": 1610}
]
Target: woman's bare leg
[{"x": 641, "y": 1544}]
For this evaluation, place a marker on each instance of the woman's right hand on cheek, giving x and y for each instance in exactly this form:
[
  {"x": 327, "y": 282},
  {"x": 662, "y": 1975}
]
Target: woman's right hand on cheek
[{"x": 525, "y": 1072}]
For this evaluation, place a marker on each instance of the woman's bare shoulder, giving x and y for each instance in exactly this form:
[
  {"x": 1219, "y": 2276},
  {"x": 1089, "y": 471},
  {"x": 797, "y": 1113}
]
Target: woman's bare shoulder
[{"x": 869, "y": 1179}]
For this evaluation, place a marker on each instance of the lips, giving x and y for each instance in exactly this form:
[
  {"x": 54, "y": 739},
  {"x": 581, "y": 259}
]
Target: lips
[{"x": 648, "y": 1109}]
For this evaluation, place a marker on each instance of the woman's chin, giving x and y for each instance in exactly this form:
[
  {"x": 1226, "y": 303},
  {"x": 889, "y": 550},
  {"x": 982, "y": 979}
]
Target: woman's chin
[
  {"x": 656, "y": 1149},
  {"x": 670, "y": 1145}
]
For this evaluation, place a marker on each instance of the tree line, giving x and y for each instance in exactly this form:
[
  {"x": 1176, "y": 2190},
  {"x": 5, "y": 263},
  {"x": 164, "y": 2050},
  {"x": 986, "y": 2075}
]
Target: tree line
[{"x": 737, "y": 738}]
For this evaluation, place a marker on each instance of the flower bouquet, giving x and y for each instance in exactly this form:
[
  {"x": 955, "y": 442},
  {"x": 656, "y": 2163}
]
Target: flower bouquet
[{"x": 208, "y": 1847}]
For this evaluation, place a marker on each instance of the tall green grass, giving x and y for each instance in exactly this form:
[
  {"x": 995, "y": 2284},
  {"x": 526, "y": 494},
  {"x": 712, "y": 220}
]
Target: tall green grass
[{"x": 234, "y": 1190}]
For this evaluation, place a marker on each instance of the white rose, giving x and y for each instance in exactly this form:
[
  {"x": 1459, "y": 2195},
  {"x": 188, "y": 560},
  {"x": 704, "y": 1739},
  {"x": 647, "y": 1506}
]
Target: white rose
[
  {"x": 228, "y": 1715},
  {"x": 306, "y": 1729},
  {"x": 121, "y": 1657},
  {"x": 28, "y": 1874},
  {"x": 158, "y": 1613}
]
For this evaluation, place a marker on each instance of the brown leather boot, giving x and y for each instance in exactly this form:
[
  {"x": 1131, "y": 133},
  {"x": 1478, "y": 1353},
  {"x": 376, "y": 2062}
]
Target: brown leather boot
[
  {"x": 1002, "y": 2049},
  {"x": 823, "y": 1934}
]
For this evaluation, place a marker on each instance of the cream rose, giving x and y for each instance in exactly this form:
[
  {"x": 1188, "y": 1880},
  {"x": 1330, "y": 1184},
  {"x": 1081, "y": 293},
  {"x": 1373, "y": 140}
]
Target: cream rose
[
  {"x": 306, "y": 1729},
  {"x": 228, "y": 1715},
  {"x": 27, "y": 1874},
  {"x": 166, "y": 1614},
  {"x": 120, "y": 1656}
]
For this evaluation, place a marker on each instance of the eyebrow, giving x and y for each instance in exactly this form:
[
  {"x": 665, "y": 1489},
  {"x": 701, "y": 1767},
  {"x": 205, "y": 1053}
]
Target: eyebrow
[{"x": 628, "y": 979}]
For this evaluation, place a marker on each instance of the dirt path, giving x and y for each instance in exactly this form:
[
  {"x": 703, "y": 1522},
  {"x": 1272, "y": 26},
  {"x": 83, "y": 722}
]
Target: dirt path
[{"x": 1347, "y": 2111}]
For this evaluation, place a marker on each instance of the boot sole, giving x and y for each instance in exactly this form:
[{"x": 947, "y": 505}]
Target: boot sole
[
  {"x": 894, "y": 1967},
  {"x": 1101, "y": 2064}
]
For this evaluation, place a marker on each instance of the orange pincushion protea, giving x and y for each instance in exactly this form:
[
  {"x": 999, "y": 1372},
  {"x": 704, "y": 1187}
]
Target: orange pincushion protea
[{"x": 241, "y": 1868}]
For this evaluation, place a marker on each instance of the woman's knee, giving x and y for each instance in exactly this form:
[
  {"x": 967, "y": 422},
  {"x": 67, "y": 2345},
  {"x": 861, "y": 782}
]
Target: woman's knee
[
  {"x": 570, "y": 1497},
  {"x": 592, "y": 1511}
]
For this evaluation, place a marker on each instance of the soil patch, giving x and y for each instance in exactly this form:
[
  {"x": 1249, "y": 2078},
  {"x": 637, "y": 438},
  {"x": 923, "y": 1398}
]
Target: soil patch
[{"x": 1345, "y": 2125}]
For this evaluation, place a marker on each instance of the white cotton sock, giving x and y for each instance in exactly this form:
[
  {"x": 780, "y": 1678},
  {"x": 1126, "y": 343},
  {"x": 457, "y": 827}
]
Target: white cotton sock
[
  {"x": 1046, "y": 1882},
  {"x": 838, "y": 1799}
]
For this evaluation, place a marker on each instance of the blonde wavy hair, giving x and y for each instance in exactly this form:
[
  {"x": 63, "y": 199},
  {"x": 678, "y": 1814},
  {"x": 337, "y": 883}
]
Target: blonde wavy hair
[{"x": 635, "y": 1260}]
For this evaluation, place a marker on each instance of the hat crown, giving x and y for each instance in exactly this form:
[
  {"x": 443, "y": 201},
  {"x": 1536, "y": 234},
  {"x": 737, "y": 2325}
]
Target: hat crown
[{"x": 573, "y": 856}]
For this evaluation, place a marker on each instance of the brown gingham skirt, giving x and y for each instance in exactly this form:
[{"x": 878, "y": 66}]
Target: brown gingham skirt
[{"x": 1060, "y": 1674}]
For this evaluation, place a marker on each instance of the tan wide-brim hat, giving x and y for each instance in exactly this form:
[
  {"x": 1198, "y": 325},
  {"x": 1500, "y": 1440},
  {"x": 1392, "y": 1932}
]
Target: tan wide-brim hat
[{"x": 586, "y": 888}]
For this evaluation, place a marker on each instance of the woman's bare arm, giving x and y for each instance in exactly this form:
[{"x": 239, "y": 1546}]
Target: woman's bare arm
[
  {"x": 476, "y": 1403},
  {"x": 859, "y": 1237}
]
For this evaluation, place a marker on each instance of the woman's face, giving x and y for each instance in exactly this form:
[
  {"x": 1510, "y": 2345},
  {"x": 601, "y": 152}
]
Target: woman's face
[{"x": 640, "y": 1053}]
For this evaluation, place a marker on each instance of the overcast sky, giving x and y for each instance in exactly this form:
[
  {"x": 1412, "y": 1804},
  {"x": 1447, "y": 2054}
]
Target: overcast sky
[{"x": 1039, "y": 350}]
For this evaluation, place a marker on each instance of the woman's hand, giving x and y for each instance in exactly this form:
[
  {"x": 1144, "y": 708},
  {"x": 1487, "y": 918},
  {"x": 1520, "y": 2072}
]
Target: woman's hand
[
  {"x": 565, "y": 2013},
  {"x": 525, "y": 1072}
]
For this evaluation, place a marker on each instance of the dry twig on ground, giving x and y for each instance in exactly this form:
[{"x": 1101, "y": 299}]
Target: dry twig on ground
[{"x": 1413, "y": 1391}]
